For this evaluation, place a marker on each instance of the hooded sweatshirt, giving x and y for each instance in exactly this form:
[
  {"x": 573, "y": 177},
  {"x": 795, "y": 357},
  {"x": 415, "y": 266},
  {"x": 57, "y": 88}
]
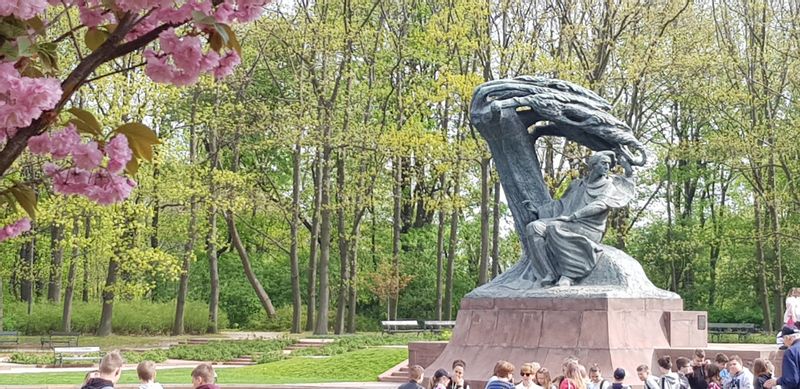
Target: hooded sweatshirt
[
  {"x": 670, "y": 381},
  {"x": 742, "y": 380},
  {"x": 98, "y": 383},
  {"x": 208, "y": 386}
]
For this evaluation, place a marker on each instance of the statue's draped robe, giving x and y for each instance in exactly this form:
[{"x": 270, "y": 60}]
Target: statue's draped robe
[{"x": 570, "y": 248}]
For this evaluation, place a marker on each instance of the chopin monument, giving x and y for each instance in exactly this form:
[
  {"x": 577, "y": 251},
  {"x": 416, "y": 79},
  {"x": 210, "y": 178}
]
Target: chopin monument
[{"x": 568, "y": 295}]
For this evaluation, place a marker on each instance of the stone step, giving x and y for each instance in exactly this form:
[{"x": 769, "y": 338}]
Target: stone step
[{"x": 397, "y": 374}]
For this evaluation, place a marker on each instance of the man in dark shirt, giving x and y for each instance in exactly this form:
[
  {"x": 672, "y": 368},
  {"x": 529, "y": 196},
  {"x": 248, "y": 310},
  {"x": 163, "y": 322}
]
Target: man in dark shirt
[
  {"x": 790, "y": 368},
  {"x": 415, "y": 375}
]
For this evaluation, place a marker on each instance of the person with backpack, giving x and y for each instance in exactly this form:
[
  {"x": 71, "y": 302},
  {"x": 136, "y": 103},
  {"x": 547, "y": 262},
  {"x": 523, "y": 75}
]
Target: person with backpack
[
  {"x": 669, "y": 379},
  {"x": 650, "y": 381},
  {"x": 596, "y": 380},
  {"x": 108, "y": 373}
]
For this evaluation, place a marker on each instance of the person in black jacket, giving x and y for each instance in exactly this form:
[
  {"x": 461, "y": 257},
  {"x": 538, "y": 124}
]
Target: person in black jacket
[
  {"x": 109, "y": 372},
  {"x": 415, "y": 375},
  {"x": 697, "y": 370}
]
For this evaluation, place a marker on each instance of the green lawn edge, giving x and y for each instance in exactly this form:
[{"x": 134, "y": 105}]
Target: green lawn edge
[{"x": 356, "y": 366}]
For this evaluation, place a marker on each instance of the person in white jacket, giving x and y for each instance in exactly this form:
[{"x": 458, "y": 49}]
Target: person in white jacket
[
  {"x": 741, "y": 377},
  {"x": 792, "y": 313}
]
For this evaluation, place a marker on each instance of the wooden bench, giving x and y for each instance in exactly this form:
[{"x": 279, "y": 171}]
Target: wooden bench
[
  {"x": 66, "y": 339},
  {"x": 742, "y": 330},
  {"x": 395, "y": 326},
  {"x": 62, "y": 354},
  {"x": 438, "y": 325},
  {"x": 9, "y": 337}
]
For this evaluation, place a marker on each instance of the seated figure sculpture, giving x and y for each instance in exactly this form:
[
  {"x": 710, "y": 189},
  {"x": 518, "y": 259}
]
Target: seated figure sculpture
[{"x": 566, "y": 234}]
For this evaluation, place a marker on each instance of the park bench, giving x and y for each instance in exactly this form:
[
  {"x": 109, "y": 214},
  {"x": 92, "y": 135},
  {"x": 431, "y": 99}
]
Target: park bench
[
  {"x": 438, "y": 325},
  {"x": 62, "y": 354},
  {"x": 395, "y": 326},
  {"x": 742, "y": 330},
  {"x": 9, "y": 337},
  {"x": 66, "y": 339}
]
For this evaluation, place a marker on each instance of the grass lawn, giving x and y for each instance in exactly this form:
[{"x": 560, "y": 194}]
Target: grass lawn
[{"x": 357, "y": 366}]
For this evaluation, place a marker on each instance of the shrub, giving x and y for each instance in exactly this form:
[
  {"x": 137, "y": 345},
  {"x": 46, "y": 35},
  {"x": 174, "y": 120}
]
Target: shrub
[
  {"x": 349, "y": 343},
  {"x": 222, "y": 351},
  {"x": 157, "y": 356},
  {"x": 32, "y": 358},
  {"x": 130, "y": 318}
]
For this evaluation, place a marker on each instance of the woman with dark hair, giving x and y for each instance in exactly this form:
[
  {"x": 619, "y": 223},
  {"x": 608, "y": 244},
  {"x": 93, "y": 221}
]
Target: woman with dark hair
[
  {"x": 457, "y": 381},
  {"x": 712, "y": 376},
  {"x": 761, "y": 373}
]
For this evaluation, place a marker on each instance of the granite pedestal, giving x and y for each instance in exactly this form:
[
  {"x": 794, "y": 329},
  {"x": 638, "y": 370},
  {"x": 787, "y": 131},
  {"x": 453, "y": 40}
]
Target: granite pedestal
[{"x": 604, "y": 329}]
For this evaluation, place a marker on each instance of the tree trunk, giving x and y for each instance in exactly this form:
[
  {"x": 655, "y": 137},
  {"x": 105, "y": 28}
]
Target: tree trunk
[
  {"x": 353, "y": 284},
  {"x": 294, "y": 225},
  {"x": 28, "y": 256},
  {"x": 211, "y": 237},
  {"x": 87, "y": 232},
  {"x": 314, "y": 250},
  {"x": 66, "y": 315},
  {"x": 483, "y": 264},
  {"x": 57, "y": 252},
  {"x": 213, "y": 267},
  {"x": 263, "y": 297},
  {"x": 108, "y": 298},
  {"x": 2, "y": 298},
  {"x": 761, "y": 277},
  {"x": 397, "y": 221},
  {"x": 321, "y": 327},
  {"x": 496, "y": 230},
  {"x": 183, "y": 283},
  {"x": 451, "y": 255},
  {"x": 344, "y": 272},
  {"x": 440, "y": 250}
]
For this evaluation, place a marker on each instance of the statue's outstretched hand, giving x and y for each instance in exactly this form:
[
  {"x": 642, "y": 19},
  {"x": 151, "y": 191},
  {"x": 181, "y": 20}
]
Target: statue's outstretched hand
[{"x": 530, "y": 206}]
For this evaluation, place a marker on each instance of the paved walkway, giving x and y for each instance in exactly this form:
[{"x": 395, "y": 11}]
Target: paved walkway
[{"x": 13, "y": 368}]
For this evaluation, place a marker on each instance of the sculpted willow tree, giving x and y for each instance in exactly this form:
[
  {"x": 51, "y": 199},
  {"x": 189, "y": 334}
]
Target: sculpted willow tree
[{"x": 88, "y": 157}]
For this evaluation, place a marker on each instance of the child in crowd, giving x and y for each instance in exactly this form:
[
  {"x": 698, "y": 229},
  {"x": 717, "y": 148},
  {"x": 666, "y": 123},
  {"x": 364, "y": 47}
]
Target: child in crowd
[
  {"x": 528, "y": 375},
  {"x": 146, "y": 370},
  {"x": 619, "y": 376},
  {"x": 440, "y": 380},
  {"x": 762, "y": 372},
  {"x": 543, "y": 379},
  {"x": 712, "y": 377},
  {"x": 669, "y": 379},
  {"x": 457, "y": 381},
  {"x": 650, "y": 381},
  {"x": 596, "y": 380},
  {"x": 722, "y": 362},
  {"x": 573, "y": 379},
  {"x": 684, "y": 370},
  {"x": 203, "y": 377}
]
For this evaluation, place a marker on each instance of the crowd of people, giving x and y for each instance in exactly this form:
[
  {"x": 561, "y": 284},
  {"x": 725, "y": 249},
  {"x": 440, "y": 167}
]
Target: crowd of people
[
  {"x": 723, "y": 372},
  {"x": 110, "y": 370}
]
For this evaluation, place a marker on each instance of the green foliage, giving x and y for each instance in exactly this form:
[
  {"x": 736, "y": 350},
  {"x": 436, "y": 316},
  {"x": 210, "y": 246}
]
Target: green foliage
[
  {"x": 157, "y": 356},
  {"x": 221, "y": 351},
  {"x": 32, "y": 358},
  {"x": 130, "y": 317},
  {"x": 346, "y": 344}
]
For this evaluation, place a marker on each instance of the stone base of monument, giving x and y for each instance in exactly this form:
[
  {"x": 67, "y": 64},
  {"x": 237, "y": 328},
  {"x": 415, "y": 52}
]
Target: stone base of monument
[{"x": 612, "y": 332}]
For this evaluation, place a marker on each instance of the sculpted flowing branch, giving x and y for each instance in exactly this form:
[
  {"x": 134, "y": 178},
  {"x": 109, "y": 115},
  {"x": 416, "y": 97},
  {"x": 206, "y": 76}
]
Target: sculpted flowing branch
[{"x": 560, "y": 239}]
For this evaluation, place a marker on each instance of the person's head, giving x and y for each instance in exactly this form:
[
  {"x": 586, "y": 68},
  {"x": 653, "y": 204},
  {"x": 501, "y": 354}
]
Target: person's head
[
  {"x": 441, "y": 376},
  {"x": 643, "y": 371},
  {"x": 90, "y": 375},
  {"x": 146, "y": 370},
  {"x": 594, "y": 374},
  {"x": 683, "y": 365},
  {"x": 770, "y": 367},
  {"x": 573, "y": 373},
  {"x": 600, "y": 163},
  {"x": 790, "y": 335},
  {"x": 458, "y": 370},
  {"x": 504, "y": 370},
  {"x": 543, "y": 378},
  {"x": 619, "y": 374},
  {"x": 202, "y": 374},
  {"x": 111, "y": 366},
  {"x": 528, "y": 372},
  {"x": 665, "y": 363},
  {"x": 721, "y": 360},
  {"x": 416, "y": 373},
  {"x": 567, "y": 361},
  {"x": 734, "y": 364},
  {"x": 699, "y": 357},
  {"x": 712, "y": 373},
  {"x": 760, "y": 367}
]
